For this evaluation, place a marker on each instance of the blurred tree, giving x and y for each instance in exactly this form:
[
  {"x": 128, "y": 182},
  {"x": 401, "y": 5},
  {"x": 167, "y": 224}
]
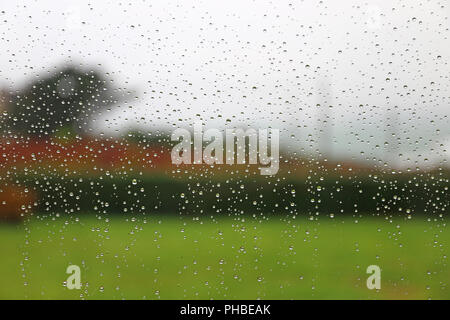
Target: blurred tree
[
  {"x": 156, "y": 138},
  {"x": 4, "y": 105},
  {"x": 66, "y": 98}
]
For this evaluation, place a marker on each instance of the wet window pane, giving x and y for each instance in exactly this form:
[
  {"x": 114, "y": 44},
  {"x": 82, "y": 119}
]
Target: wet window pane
[{"x": 224, "y": 149}]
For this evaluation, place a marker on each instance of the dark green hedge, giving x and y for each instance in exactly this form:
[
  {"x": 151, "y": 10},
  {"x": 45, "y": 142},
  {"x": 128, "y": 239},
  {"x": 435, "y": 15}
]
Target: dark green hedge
[{"x": 255, "y": 196}]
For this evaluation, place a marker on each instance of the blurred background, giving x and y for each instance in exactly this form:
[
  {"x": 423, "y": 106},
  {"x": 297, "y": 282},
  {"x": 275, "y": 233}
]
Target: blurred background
[{"x": 91, "y": 91}]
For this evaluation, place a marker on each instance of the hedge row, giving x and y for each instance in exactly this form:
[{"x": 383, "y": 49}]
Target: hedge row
[{"x": 152, "y": 194}]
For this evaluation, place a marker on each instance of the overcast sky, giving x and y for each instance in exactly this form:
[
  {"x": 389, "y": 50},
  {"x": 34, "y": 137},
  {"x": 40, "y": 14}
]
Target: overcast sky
[{"x": 378, "y": 69}]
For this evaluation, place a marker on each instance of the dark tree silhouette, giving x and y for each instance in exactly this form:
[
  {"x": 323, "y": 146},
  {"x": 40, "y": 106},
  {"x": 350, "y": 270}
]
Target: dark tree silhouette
[{"x": 65, "y": 98}]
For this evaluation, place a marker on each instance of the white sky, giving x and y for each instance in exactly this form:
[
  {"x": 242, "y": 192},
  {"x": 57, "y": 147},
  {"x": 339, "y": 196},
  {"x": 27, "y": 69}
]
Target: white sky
[{"x": 256, "y": 63}]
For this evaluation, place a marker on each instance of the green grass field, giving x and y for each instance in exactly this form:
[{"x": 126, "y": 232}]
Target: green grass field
[{"x": 225, "y": 258}]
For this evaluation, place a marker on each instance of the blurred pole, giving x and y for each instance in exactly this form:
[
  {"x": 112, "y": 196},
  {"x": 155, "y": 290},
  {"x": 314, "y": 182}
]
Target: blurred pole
[
  {"x": 391, "y": 135},
  {"x": 324, "y": 117}
]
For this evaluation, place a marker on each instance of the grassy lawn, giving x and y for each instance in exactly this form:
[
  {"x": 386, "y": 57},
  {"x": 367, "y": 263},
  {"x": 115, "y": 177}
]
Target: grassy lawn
[{"x": 225, "y": 258}]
